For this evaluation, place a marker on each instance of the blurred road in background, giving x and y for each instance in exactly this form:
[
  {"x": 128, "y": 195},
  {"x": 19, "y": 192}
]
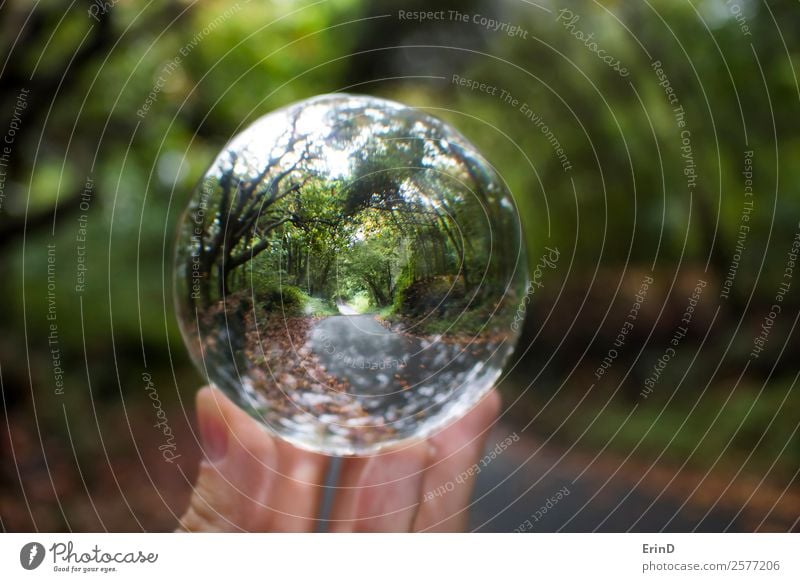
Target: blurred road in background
[
  {"x": 603, "y": 493},
  {"x": 517, "y": 485}
]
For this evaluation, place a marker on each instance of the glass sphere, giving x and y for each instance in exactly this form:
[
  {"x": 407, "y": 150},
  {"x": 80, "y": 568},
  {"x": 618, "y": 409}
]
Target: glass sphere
[{"x": 349, "y": 271}]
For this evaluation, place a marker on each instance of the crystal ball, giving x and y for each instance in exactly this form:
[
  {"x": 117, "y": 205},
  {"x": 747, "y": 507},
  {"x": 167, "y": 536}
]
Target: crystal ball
[{"x": 351, "y": 272}]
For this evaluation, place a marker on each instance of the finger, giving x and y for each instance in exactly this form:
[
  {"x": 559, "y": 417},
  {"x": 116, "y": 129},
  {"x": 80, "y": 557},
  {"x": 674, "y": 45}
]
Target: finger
[
  {"x": 245, "y": 482},
  {"x": 235, "y": 477},
  {"x": 298, "y": 489},
  {"x": 380, "y": 493},
  {"x": 448, "y": 482}
]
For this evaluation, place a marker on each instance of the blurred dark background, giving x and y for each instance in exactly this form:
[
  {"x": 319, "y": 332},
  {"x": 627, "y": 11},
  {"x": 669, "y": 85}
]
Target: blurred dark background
[{"x": 111, "y": 111}]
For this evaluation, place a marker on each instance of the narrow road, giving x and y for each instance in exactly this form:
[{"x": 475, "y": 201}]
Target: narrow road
[
  {"x": 346, "y": 309},
  {"x": 517, "y": 484},
  {"x": 379, "y": 361},
  {"x": 367, "y": 354},
  {"x": 400, "y": 377}
]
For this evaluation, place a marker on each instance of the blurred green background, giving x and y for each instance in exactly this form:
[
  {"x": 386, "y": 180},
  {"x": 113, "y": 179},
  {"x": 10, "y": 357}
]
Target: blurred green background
[{"x": 114, "y": 112}]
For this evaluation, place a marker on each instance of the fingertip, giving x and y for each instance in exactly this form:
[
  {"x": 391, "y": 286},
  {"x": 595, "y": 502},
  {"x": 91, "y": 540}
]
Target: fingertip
[
  {"x": 490, "y": 406},
  {"x": 485, "y": 412},
  {"x": 457, "y": 450},
  {"x": 211, "y": 401},
  {"x": 230, "y": 429},
  {"x": 476, "y": 421},
  {"x": 211, "y": 424}
]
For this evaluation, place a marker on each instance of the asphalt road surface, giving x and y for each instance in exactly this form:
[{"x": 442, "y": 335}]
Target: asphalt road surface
[{"x": 519, "y": 489}]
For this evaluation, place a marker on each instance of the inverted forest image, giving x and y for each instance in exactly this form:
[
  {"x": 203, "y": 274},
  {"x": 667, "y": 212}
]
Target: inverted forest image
[{"x": 351, "y": 267}]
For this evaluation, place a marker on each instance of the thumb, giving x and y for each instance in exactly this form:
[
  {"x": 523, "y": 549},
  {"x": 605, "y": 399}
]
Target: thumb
[{"x": 237, "y": 475}]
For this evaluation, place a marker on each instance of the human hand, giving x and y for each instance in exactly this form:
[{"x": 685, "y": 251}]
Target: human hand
[{"x": 252, "y": 481}]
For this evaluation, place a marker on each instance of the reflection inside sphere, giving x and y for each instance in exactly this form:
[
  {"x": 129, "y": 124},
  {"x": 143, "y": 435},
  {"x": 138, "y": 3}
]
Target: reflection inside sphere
[{"x": 348, "y": 271}]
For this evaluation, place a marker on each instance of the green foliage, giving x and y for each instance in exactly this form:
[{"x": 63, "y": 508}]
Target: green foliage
[
  {"x": 361, "y": 302},
  {"x": 745, "y": 423},
  {"x": 404, "y": 281},
  {"x": 319, "y": 307},
  {"x": 263, "y": 275},
  {"x": 284, "y": 299}
]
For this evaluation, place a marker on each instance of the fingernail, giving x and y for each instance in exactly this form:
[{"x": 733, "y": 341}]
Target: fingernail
[
  {"x": 433, "y": 451},
  {"x": 214, "y": 435}
]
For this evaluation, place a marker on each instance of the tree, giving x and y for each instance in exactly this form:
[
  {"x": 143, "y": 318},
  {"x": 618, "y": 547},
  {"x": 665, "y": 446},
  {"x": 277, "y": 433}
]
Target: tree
[{"x": 247, "y": 211}]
